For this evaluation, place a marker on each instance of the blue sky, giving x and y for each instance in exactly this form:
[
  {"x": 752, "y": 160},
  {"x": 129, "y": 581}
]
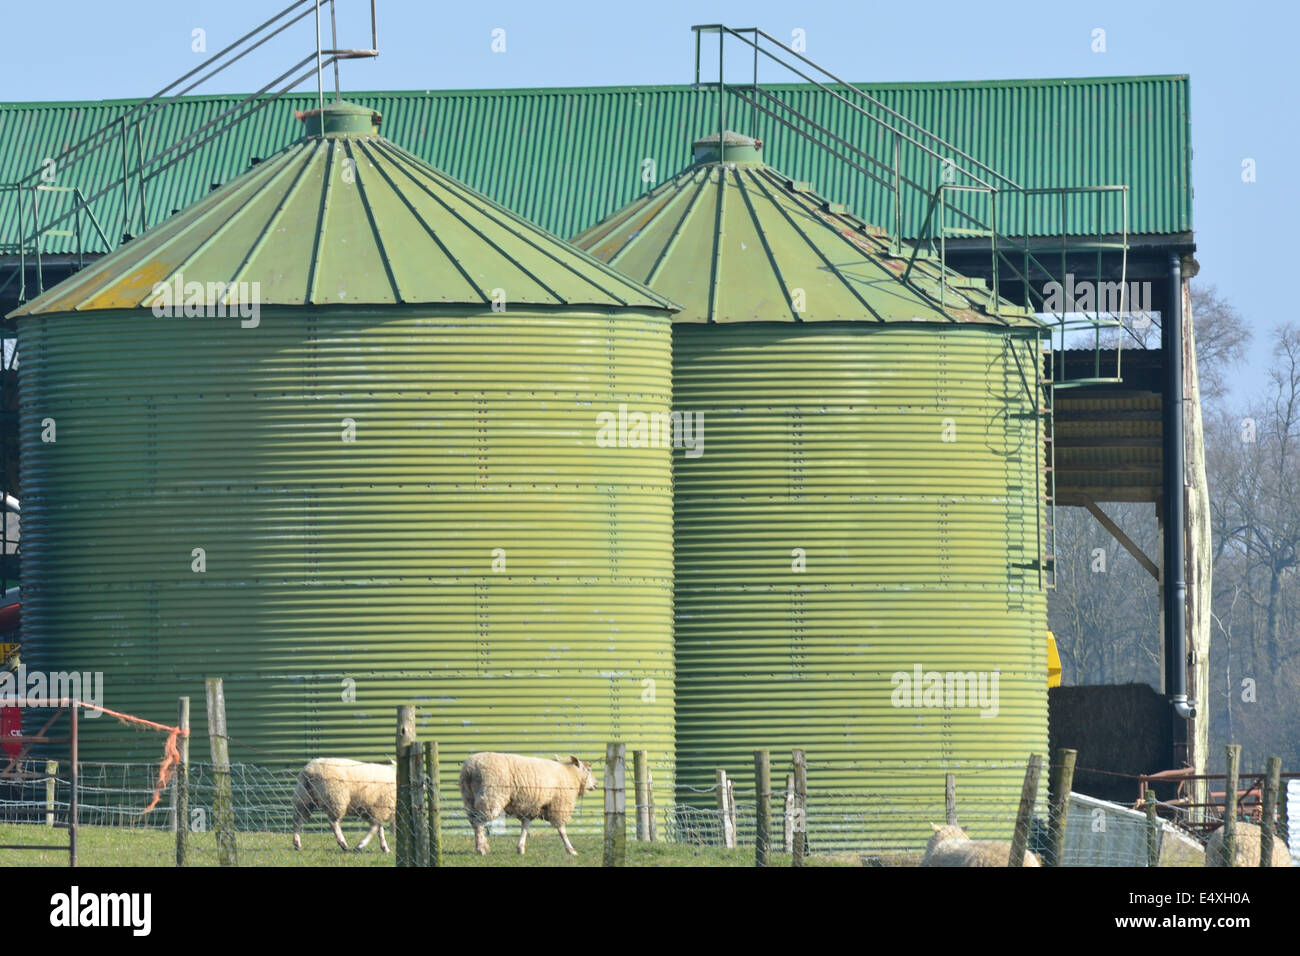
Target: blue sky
[{"x": 1241, "y": 103}]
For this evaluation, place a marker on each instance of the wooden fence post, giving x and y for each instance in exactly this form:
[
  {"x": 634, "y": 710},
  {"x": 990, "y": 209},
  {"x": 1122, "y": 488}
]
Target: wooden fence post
[
  {"x": 1272, "y": 779},
  {"x": 404, "y": 817},
  {"x": 1233, "y": 755},
  {"x": 800, "y": 847},
  {"x": 51, "y": 781},
  {"x": 650, "y": 802},
  {"x": 1025, "y": 816},
  {"x": 1283, "y": 814},
  {"x": 223, "y": 803},
  {"x": 726, "y": 809},
  {"x": 788, "y": 817},
  {"x": 950, "y": 799},
  {"x": 641, "y": 775},
  {"x": 434, "y": 796},
  {"x": 1060, "y": 782},
  {"x": 615, "y": 805},
  {"x": 763, "y": 809},
  {"x": 181, "y": 781},
  {"x": 1153, "y": 829},
  {"x": 419, "y": 816}
]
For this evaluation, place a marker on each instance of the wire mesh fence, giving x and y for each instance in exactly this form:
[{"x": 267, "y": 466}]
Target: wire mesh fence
[{"x": 860, "y": 826}]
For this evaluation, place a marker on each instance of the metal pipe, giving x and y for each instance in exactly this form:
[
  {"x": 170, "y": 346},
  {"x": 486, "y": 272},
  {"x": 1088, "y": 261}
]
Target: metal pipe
[
  {"x": 320, "y": 89},
  {"x": 1175, "y": 590}
]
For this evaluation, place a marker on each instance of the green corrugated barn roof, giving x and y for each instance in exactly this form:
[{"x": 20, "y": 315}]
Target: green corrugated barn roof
[{"x": 566, "y": 158}]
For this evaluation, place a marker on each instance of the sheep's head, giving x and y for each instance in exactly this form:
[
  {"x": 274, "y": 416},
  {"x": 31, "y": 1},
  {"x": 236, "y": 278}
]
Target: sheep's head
[
  {"x": 946, "y": 832},
  {"x": 586, "y": 779}
]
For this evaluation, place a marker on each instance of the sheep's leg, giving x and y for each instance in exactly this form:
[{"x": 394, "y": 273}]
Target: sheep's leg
[
  {"x": 383, "y": 844},
  {"x": 338, "y": 833},
  {"x": 374, "y": 828},
  {"x": 523, "y": 836},
  {"x": 564, "y": 838},
  {"x": 480, "y": 839},
  {"x": 300, "y": 816}
]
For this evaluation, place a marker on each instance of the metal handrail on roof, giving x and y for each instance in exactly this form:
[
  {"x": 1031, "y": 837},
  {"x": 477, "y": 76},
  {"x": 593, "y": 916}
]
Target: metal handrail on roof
[
  {"x": 119, "y": 129},
  {"x": 955, "y": 171}
]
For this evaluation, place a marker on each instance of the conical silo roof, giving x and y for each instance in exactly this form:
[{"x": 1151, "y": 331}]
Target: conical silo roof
[
  {"x": 734, "y": 240},
  {"x": 346, "y": 217}
]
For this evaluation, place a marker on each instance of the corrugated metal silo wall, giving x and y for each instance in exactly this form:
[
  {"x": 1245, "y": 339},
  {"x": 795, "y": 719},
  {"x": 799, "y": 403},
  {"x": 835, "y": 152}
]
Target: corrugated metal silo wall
[
  {"x": 920, "y": 552},
  {"x": 364, "y": 566}
]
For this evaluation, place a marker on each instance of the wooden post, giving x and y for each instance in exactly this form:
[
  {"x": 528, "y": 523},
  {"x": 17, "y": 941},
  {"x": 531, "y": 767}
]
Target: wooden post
[
  {"x": 650, "y": 801},
  {"x": 950, "y": 799},
  {"x": 615, "y": 805},
  {"x": 434, "y": 796},
  {"x": 181, "y": 781},
  {"x": 1233, "y": 754},
  {"x": 763, "y": 810},
  {"x": 726, "y": 809},
  {"x": 1272, "y": 778},
  {"x": 800, "y": 808},
  {"x": 223, "y": 804},
  {"x": 403, "y": 819},
  {"x": 1283, "y": 820},
  {"x": 1153, "y": 830},
  {"x": 641, "y": 775},
  {"x": 51, "y": 781},
  {"x": 788, "y": 817},
  {"x": 419, "y": 817},
  {"x": 1028, "y": 796},
  {"x": 1060, "y": 782}
]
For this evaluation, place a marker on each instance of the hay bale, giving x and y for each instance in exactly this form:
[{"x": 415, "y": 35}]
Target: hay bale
[{"x": 1121, "y": 729}]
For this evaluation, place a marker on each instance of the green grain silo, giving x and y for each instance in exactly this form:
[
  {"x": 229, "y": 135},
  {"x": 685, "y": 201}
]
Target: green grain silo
[
  {"x": 386, "y": 486},
  {"x": 863, "y": 517}
]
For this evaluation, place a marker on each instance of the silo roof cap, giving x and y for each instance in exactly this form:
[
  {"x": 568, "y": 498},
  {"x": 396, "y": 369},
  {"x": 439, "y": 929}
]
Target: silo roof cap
[
  {"x": 735, "y": 148},
  {"x": 340, "y": 118}
]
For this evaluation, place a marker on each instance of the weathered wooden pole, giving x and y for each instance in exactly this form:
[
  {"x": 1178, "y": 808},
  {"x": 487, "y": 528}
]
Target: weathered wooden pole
[
  {"x": 787, "y": 833},
  {"x": 763, "y": 810},
  {"x": 1153, "y": 829},
  {"x": 1025, "y": 815},
  {"x": 181, "y": 781},
  {"x": 51, "y": 782},
  {"x": 950, "y": 799},
  {"x": 641, "y": 776},
  {"x": 1060, "y": 781},
  {"x": 615, "y": 805},
  {"x": 403, "y": 831},
  {"x": 726, "y": 819},
  {"x": 800, "y": 846},
  {"x": 223, "y": 803},
  {"x": 1233, "y": 754},
  {"x": 419, "y": 817},
  {"x": 1272, "y": 779},
  {"x": 434, "y": 796}
]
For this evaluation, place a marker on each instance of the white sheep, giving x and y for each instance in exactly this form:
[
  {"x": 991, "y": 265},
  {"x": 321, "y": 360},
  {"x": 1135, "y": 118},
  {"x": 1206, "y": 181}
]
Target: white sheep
[
  {"x": 528, "y": 788},
  {"x": 950, "y": 846},
  {"x": 1246, "y": 849},
  {"x": 340, "y": 787}
]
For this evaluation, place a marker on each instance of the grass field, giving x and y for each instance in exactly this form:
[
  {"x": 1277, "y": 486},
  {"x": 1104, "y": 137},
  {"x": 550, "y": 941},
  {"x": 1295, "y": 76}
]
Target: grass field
[{"x": 111, "y": 846}]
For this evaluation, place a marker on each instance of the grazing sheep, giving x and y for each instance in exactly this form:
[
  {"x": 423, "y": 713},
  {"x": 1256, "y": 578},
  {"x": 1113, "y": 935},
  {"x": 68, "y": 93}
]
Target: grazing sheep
[
  {"x": 340, "y": 787},
  {"x": 1246, "y": 849},
  {"x": 950, "y": 846},
  {"x": 527, "y": 788}
]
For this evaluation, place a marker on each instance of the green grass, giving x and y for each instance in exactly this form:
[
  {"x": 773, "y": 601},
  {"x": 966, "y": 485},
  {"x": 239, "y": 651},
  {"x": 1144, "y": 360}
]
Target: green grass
[{"x": 111, "y": 846}]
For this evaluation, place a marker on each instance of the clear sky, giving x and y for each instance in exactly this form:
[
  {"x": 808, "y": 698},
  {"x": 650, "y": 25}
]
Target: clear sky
[{"x": 1242, "y": 106}]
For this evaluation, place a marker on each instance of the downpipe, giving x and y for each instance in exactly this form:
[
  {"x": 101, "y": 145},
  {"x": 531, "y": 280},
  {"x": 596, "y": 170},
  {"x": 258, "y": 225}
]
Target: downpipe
[{"x": 1175, "y": 523}]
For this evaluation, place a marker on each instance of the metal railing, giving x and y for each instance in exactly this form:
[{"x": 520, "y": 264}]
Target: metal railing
[{"x": 125, "y": 134}]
